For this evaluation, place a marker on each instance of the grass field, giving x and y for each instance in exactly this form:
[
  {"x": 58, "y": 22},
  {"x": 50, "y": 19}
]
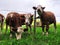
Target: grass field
[{"x": 31, "y": 39}]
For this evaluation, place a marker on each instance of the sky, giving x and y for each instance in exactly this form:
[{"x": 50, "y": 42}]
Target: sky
[{"x": 25, "y": 6}]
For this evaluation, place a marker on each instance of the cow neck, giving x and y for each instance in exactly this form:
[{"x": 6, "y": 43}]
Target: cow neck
[{"x": 41, "y": 15}]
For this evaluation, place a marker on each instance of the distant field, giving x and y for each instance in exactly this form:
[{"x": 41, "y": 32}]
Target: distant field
[{"x": 31, "y": 39}]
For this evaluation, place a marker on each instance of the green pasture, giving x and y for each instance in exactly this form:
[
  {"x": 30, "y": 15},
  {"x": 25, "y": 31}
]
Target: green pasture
[{"x": 31, "y": 39}]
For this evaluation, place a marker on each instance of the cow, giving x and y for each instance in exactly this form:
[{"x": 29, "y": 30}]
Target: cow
[
  {"x": 47, "y": 18},
  {"x": 28, "y": 21},
  {"x": 2, "y": 20},
  {"x": 15, "y": 21}
]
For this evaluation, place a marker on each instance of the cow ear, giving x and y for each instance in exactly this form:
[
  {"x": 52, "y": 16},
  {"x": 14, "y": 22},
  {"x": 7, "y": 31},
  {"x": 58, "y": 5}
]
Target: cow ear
[
  {"x": 34, "y": 8},
  {"x": 43, "y": 7}
]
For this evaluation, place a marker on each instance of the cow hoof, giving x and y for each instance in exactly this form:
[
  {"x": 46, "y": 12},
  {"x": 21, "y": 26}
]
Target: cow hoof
[
  {"x": 10, "y": 35},
  {"x": 0, "y": 32},
  {"x": 18, "y": 38},
  {"x": 42, "y": 33},
  {"x": 46, "y": 33}
]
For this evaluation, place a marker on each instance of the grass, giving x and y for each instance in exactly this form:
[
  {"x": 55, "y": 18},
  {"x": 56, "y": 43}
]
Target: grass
[{"x": 31, "y": 39}]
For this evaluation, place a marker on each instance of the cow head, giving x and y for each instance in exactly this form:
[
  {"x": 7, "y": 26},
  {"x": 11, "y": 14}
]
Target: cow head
[
  {"x": 39, "y": 9},
  {"x": 28, "y": 18},
  {"x": 19, "y": 33}
]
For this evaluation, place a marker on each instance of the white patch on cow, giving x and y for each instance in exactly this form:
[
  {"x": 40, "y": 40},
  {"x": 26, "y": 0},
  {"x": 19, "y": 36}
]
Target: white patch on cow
[
  {"x": 18, "y": 36},
  {"x": 20, "y": 29},
  {"x": 19, "y": 33},
  {"x": 10, "y": 35},
  {"x": 39, "y": 7},
  {"x": 46, "y": 33},
  {"x": 11, "y": 15},
  {"x": 27, "y": 16},
  {"x": 27, "y": 20}
]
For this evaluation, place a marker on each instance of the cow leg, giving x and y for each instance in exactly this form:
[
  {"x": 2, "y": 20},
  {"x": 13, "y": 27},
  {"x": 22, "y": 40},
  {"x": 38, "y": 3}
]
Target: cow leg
[
  {"x": 30, "y": 29},
  {"x": 1, "y": 29},
  {"x": 1, "y": 25},
  {"x": 26, "y": 30},
  {"x": 47, "y": 28},
  {"x": 11, "y": 32},
  {"x": 43, "y": 29},
  {"x": 55, "y": 26}
]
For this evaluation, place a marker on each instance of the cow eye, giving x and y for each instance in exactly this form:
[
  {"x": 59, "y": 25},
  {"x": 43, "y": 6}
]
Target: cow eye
[{"x": 30, "y": 18}]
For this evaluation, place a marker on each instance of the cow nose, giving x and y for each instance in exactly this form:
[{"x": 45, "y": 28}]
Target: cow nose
[
  {"x": 38, "y": 9},
  {"x": 27, "y": 23},
  {"x": 14, "y": 29}
]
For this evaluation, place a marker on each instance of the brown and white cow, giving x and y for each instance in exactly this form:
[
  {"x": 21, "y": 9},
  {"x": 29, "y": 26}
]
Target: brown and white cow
[
  {"x": 15, "y": 21},
  {"x": 28, "y": 21},
  {"x": 1, "y": 20},
  {"x": 46, "y": 17}
]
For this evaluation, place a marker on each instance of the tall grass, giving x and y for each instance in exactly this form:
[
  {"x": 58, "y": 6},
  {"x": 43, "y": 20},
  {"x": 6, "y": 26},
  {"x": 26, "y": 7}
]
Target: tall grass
[{"x": 31, "y": 39}]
